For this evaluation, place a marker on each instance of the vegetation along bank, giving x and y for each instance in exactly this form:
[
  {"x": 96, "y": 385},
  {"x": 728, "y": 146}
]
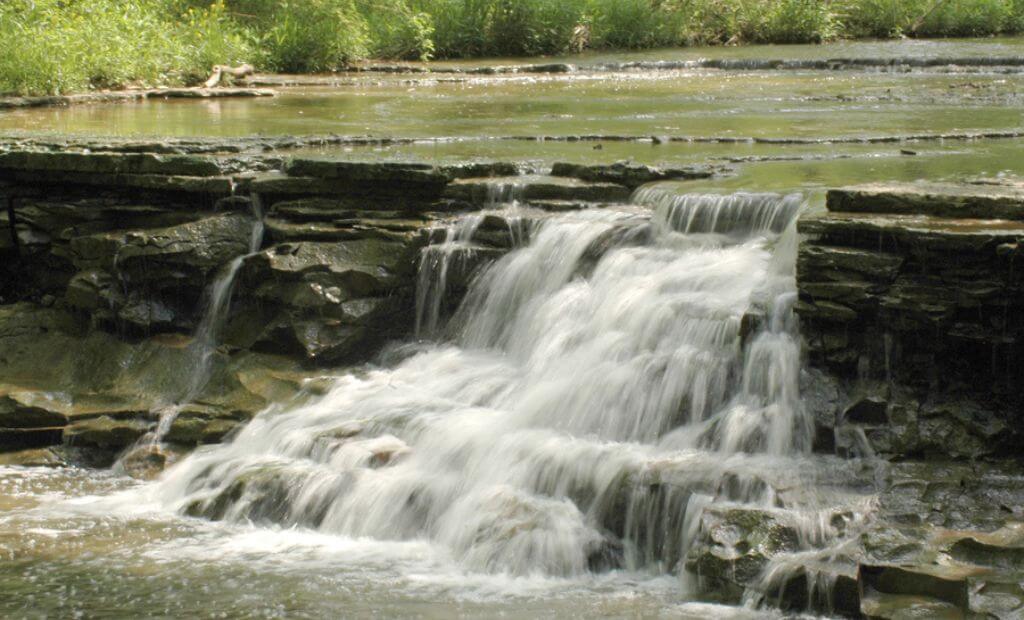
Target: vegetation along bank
[{"x": 60, "y": 46}]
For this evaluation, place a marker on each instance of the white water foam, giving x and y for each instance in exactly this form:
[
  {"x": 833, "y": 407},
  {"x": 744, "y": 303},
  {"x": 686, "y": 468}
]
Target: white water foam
[{"x": 530, "y": 445}]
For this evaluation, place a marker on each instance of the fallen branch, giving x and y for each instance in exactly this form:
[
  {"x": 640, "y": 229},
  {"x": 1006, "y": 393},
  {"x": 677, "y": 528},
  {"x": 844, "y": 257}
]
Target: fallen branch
[{"x": 219, "y": 71}]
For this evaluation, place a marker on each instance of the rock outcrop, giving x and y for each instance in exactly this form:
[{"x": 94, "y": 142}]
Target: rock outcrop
[
  {"x": 912, "y": 296},
  {"x": 108, "y": 256}
]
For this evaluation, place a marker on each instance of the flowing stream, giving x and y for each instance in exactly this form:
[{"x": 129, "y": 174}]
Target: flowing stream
[{"x": 613, "y": 348}]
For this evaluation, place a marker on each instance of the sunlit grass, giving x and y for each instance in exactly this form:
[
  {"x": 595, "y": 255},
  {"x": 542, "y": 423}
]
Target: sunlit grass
[{"x": 57, "y": 46}]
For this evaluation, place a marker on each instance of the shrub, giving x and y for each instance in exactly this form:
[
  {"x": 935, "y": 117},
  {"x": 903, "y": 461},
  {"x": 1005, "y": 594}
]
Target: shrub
[
  {"x": 636, "y": 24},
  {"x": 51, "y": 46},
  {"x": 961, "y": 18},
  {"x": 398, "y": 30},
  {"x": 878, "y": 18},
  {"x": 795, "y": 21},
  {"x": 1015, "y": 22},
  {"x": 299, "y": 36}
]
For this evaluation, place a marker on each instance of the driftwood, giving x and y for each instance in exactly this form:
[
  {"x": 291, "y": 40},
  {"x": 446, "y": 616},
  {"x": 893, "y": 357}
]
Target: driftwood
[{"x": 219, "y": 71}]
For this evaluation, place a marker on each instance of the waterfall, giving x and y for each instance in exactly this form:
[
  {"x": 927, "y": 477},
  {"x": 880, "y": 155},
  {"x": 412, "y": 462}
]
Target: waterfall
[
  {"x": 436, "y": 261},
  {"x": 216, "y": 307},
  {"x": 456, "y": 252},
  {"x": 576, "y": 420}
]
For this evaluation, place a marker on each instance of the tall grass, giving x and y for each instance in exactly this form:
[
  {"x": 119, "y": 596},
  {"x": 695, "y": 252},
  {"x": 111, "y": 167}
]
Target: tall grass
[{"x": 54, "y": 46}]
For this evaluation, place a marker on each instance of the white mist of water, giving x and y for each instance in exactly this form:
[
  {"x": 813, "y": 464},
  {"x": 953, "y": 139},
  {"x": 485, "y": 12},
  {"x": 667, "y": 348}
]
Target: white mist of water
[{"x": 530, "y": 444}]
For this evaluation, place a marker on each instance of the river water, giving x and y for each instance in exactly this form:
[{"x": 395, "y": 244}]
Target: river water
[
  {"x": 502, "y": 469},
  {"x": 498, "y": 468}
]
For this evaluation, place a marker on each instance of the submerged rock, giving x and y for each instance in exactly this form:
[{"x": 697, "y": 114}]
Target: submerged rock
[{"x": 39, "y": 457}]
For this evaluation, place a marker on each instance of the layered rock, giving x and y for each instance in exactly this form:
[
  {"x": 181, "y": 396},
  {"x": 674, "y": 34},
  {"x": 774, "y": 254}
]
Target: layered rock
[
  {"x": 109, "y": 255},
  {"x": 911, "y": 294}
]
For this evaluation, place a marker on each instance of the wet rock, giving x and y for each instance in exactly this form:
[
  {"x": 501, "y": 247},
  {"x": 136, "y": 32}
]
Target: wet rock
[
  {"x": 262, "y": 494},
  {"x": 946, "y": 584},
  {"x": 330, "y": 341},
  {"x": 913, "y": 285},
  {"x": 373, "y": 178},
  {"x": 622, "y": 235},
  {"x": 198, "y": 424},
  {"x": 821, "y": 396},
  {"x": 819, "y": 263},
  {"x": 105, "y": 432},
  {"x": 629, "y": 174},
  {"x": 110, "y": 163},
  {"x": 868, "y": 410},
  {"x": 177, "y": 252},
  {"x": 24, "y": 413},
  {"x": 39, "y": 457},
  {"x": 318, "y": 340},
  {"x": 993, "y": 551},
  {"x": 148, "y": 315},
  {"x": 962, "y": 429},
  {"x": 93, "y": 290},
  {"x": 478, "y": 170},
  {"x": 210, "y": 188},
  {"x": 359, "y": 268},
  {"x": 878, "y": 606},
  {"x": 484, "y": 191},
  {"x": 734, "y": 546},
  {"x": 937, "y": 199}
]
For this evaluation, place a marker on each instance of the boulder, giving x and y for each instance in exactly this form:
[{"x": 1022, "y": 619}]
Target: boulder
[{"x": 735, "y": 544}]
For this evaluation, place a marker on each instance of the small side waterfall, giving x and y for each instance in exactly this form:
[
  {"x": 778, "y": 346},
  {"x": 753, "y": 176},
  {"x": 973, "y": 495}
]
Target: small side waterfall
[
  {"x": 436, "y": 262},
  {"x": 577, "y": 420},
  {"x": 456, "y": 253},
  {"x": 216, "y": 308}
]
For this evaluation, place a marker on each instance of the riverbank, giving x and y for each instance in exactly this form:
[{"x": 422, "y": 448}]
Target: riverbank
[{"x": 58, "y": 48}]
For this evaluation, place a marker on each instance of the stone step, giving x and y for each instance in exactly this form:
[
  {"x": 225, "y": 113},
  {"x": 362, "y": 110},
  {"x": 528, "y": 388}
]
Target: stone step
[
  {"x": 629, "y": 174},
  {"x": 877, "y": 231},
  {"x": 110, "y": 163},
  {"x": 535, "y": 187},
  {"x": 991, "y": 200}
]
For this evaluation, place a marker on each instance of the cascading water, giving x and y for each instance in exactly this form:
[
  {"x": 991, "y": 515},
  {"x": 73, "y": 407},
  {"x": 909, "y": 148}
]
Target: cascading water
[
  {"x": 456, "y": 250},
  {"x": 216, "y": 307},
  {"x": 581, "y": 419}
]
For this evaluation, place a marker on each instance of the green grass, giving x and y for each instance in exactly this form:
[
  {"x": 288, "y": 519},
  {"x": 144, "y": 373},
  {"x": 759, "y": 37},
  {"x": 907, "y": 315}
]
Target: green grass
[
  {"x": 58, "y": 46},
  {"x": 53, "y": 46}
]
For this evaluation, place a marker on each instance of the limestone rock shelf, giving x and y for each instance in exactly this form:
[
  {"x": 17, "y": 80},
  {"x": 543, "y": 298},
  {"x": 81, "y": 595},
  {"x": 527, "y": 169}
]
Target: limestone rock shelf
[
  {"x": 104, "y": 273},
  {"x": 913, "y": 296}
]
